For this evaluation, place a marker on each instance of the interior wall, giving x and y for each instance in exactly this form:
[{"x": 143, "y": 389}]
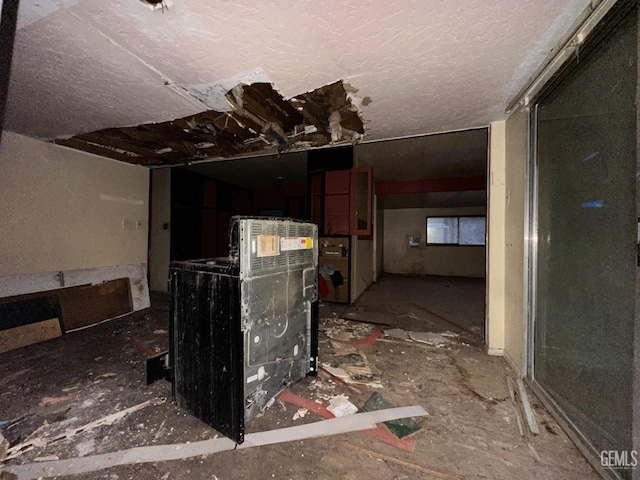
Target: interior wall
[
  {"x": 361, "y": 265},
  {"x": 399, "y": 224},
  {"x": 515, "y": 176},
  {"x": 63, "y": 209},
  {"x": 159, "y": 237},
  {"x": 496, "y": 241},
  {"x": 379, "y": 238}
]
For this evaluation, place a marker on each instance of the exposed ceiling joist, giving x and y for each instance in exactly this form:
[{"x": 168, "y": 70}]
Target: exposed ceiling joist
[{"x": 261, "y": 121}]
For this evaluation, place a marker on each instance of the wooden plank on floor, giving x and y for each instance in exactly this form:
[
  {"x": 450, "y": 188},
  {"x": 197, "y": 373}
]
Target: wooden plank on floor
[{"x": 18, "y": 337}]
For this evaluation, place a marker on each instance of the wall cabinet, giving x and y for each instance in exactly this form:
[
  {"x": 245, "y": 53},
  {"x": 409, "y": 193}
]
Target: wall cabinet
[{"x": 347, "y": 201}]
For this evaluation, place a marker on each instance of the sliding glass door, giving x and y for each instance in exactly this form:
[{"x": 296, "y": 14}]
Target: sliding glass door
[{"x": 586, "y": 224}]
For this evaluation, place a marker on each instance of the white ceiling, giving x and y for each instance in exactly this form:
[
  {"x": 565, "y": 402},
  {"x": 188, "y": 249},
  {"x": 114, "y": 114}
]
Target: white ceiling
[{"x": 426, "y": 65}]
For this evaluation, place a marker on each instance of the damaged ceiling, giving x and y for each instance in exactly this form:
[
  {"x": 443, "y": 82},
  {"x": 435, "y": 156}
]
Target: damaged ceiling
[
  {"x": 126, "y": 78},
  {"x": 260, "y": 120}
]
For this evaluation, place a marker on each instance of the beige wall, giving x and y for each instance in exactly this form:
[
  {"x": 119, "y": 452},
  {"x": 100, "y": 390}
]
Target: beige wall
[
  {"x": 399, "y": 224},
  {"x": 496, "y": 268},
  {"x": 516, "y": 152},
  {"x": 361, "y": 265},
  {"x": 159, "y": 238},
  {"x": 62, "y": 210},
  {"x": 379, "y": 238}
]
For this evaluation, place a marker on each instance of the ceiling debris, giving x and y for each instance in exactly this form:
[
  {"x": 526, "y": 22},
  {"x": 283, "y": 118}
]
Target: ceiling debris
[{"x": 260, "y": 120}]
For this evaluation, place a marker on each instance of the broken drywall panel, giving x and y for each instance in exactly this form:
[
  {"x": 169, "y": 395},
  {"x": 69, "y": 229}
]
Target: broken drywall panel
[
  {"x": 318, "y": 105},
  {"x": 264, "y": 102},
  {"x": 213, "y": 95},
  {"x": 255, "y": 118},
  {"x": 39, "y": 282}
]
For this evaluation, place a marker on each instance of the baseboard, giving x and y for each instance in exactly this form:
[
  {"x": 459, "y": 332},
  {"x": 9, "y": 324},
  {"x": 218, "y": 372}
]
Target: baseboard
[{"x": 512, "y": 364}]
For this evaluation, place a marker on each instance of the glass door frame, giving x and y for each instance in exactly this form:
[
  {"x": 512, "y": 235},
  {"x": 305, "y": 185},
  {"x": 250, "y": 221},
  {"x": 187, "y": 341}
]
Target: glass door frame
[{"x": 531, "y": 197}]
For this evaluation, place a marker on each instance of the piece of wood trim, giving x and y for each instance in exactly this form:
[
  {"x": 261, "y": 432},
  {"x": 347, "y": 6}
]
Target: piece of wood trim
[
  {"x": 160, "y": 453},
  {"x": 397, "y": 461},
  {"x": 526, "y": 406},
  {"x": 512, "y": 394}
]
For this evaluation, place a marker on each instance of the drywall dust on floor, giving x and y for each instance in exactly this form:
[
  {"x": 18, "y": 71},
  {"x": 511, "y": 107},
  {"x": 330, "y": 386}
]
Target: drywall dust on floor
[{"x": 471, "y": 430}]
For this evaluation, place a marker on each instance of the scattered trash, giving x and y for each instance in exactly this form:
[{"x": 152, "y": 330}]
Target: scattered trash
[
  {"x": 397, "y": 333},
  {"x": 105, "y": 375},
  {"x": 340, "y": 406},
  {"x": 353, "y": 368},
  {"x": 450, "y": 334},
  {"x": 401, "y": 428},
  {"x": 4, "y": 422},
  {"x": 429, "y": 338},
  {"x": 160, "y": 431},
  {"x": 41, "y": 441},
  {"x": 46, "y": 458},
  {"x": 300, "y": 413},
  {"x": 46, "y": 401},
  {"x": 159, "y": 331}
]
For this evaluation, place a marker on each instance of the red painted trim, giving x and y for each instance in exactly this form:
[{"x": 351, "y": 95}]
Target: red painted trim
[{"x": 429, "y": 185}]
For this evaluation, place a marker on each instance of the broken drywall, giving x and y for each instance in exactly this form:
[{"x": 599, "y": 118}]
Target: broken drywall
[{"x": 248, "y": 118}]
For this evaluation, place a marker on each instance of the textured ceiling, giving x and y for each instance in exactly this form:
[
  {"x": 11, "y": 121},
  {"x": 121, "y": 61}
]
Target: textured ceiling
[{"x": 421, "y": 66}]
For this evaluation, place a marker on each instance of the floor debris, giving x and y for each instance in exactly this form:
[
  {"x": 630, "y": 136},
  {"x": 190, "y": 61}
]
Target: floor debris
[
  {"x": 4, "y": 447},
  {"x": 397, "y": 333},
  {"x": 419, "y": 468},
  {"x": 401, "y": 428},
  {"x": 379, "y": 432},
  {"x": 340, "y": 406},
  {"x": 46, "y": 401},
  {"x": 512, "y": 394},
  {"x": 526, "y": 406},
  {"x": 300, "y": 413},
  {"x": 37, "y": 441},
  {"x": 334, "y": 426},
  {"x": 429, "y": 338},
  {"x": 353, "y": 368}
]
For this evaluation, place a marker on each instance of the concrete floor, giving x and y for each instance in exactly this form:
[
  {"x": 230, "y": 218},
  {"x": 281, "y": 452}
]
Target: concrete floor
[{"x": 471, "y": 431}]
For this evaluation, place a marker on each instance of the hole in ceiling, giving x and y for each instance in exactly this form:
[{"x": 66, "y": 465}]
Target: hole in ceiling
[{"x": 260, "y": 121}]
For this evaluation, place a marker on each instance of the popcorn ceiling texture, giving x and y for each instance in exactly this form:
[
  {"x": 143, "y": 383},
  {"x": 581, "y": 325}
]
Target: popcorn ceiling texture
[{"x": 427, "y": 66}]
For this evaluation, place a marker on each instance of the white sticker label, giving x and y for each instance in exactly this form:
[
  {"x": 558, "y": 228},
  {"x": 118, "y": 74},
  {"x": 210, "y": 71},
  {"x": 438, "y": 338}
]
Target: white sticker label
[
  {"x": 252, "y": 378},
  {"x": 296, "y": 243}
]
